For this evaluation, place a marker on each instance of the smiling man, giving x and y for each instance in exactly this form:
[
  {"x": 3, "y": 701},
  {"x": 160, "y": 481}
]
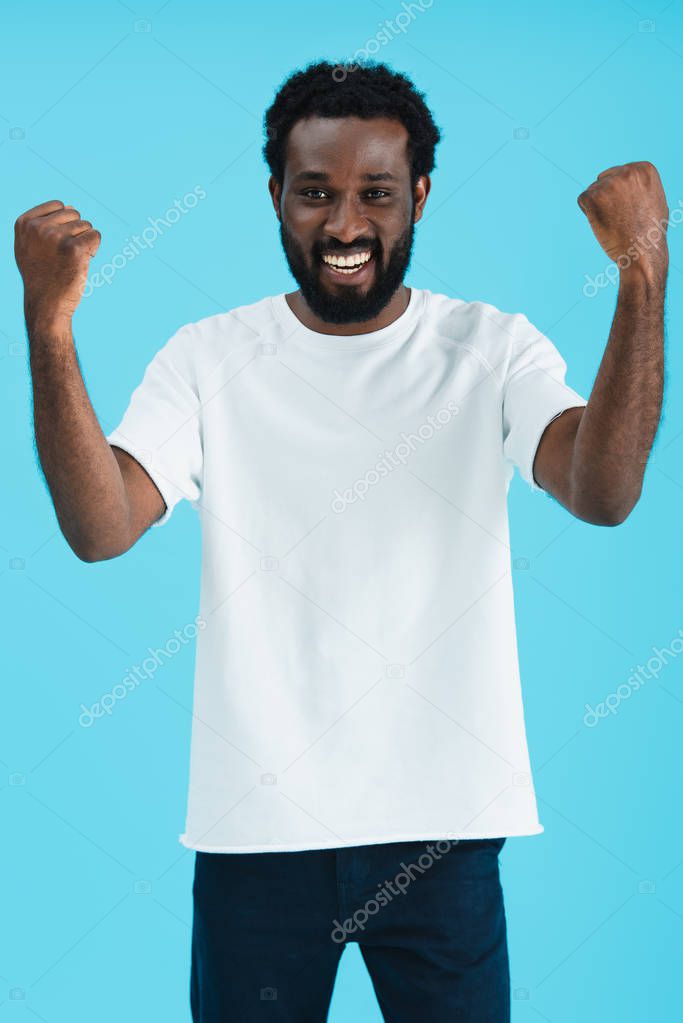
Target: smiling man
[
  {"x": 349, "y": 263},
  {"x": 358, "y": 748}
]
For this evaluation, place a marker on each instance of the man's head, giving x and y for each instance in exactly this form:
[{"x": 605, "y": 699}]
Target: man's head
[{"x": 350, "y": 157}]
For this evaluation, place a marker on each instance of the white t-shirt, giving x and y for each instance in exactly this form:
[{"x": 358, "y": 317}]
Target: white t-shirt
[{"x": 357, "y": 675}]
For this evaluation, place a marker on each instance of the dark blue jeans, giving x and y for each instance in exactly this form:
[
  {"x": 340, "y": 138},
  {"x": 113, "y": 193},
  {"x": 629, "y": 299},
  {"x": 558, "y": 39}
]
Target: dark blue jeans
[{"x": 269, "y": 930}]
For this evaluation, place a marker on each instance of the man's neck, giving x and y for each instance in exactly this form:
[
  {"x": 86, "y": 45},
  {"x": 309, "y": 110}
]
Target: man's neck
[{"x": 396, "y": 306}]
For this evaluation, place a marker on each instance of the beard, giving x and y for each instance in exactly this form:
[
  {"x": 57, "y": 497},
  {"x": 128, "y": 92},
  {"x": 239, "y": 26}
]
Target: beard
[{"x": 349, "y": 306}]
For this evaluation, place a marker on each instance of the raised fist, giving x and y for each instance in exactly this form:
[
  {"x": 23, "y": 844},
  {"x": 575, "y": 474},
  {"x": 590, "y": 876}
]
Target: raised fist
[
  {"x": 53, "y": 248},
  {"x": 627, "y": 210}
]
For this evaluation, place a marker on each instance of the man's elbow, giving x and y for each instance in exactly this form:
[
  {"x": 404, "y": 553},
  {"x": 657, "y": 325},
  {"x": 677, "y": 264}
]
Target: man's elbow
[
  {"x": 91, "y": 557},
  {"x": 616, "y": 518},
  {"x": 607, "y": 513},
  {"x": 90, "y": 554}
]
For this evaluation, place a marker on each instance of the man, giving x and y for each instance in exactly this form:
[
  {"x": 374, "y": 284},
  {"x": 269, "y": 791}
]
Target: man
[{"x": 358, "y": 751}]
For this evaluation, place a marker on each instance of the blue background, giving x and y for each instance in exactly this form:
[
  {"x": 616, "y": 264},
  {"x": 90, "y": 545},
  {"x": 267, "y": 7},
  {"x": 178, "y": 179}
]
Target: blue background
[{"x": 120, "y": 110}]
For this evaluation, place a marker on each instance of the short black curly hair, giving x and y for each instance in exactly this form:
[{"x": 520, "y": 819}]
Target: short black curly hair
[{"x": 350, "y": 90}]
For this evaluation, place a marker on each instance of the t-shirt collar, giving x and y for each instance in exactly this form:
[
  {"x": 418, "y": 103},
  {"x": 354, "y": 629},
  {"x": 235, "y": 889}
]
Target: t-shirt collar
[{"x": 297, "y": 331}]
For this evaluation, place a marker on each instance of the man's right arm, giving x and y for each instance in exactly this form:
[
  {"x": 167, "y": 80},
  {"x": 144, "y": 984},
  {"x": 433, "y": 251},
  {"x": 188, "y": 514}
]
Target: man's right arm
[{"x": 104, "y": 500}]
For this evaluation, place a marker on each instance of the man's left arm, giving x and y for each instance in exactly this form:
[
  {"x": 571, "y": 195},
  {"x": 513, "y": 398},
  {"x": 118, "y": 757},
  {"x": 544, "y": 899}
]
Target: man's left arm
[{"x": 593, "y": 459}]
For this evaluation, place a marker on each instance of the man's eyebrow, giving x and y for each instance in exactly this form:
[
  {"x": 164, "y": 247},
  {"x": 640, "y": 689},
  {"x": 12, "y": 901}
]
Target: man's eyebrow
[{"x": 316, "y": 175}]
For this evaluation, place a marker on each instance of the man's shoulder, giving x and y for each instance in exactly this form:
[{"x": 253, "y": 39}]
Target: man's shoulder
[
  {"x": 475, "y": 323},
  {"x": 240, "y": 322},
  {"x": 209, "y": 339}
]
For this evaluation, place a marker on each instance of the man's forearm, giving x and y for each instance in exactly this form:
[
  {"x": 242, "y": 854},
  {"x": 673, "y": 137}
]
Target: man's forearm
[
  {"x": 80, "y": 469},
  {"x": 618, "y": 426}
]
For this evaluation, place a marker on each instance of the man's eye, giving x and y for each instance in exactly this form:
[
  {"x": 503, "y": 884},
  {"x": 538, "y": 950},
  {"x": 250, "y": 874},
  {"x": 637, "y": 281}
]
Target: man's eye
[{"x": 318, "y": 193}]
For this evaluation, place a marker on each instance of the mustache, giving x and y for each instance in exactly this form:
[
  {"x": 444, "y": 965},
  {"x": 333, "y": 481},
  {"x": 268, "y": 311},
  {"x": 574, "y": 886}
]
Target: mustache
[{"x": 339, "y": 249}]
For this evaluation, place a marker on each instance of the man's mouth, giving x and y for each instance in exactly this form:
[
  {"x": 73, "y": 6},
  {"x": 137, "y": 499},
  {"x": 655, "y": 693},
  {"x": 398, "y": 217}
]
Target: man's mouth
[{"x": 348, "y": 264}]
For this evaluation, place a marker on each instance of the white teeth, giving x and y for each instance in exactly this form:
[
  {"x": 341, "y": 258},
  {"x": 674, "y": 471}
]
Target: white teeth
[{"x": 347, "y": 264}]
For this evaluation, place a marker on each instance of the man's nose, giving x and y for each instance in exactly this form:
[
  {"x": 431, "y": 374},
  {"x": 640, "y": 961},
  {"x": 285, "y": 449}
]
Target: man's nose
[{"x": 345, "y": 221}]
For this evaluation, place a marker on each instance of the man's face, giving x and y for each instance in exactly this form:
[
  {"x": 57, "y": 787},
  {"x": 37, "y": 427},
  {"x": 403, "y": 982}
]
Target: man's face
[{"x": 347, "y": 213}]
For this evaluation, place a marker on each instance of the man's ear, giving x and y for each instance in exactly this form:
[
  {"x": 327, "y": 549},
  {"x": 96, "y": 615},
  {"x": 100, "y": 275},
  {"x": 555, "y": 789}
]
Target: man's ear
[
  {"x": 275, "y": 189},
  {"x": 420, "y": 193}
]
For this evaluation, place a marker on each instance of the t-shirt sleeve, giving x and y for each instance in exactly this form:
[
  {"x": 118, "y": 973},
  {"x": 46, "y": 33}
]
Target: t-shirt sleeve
[
  {"x": 534, "y": 393},
  {"x": 161, "y": 427}
]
